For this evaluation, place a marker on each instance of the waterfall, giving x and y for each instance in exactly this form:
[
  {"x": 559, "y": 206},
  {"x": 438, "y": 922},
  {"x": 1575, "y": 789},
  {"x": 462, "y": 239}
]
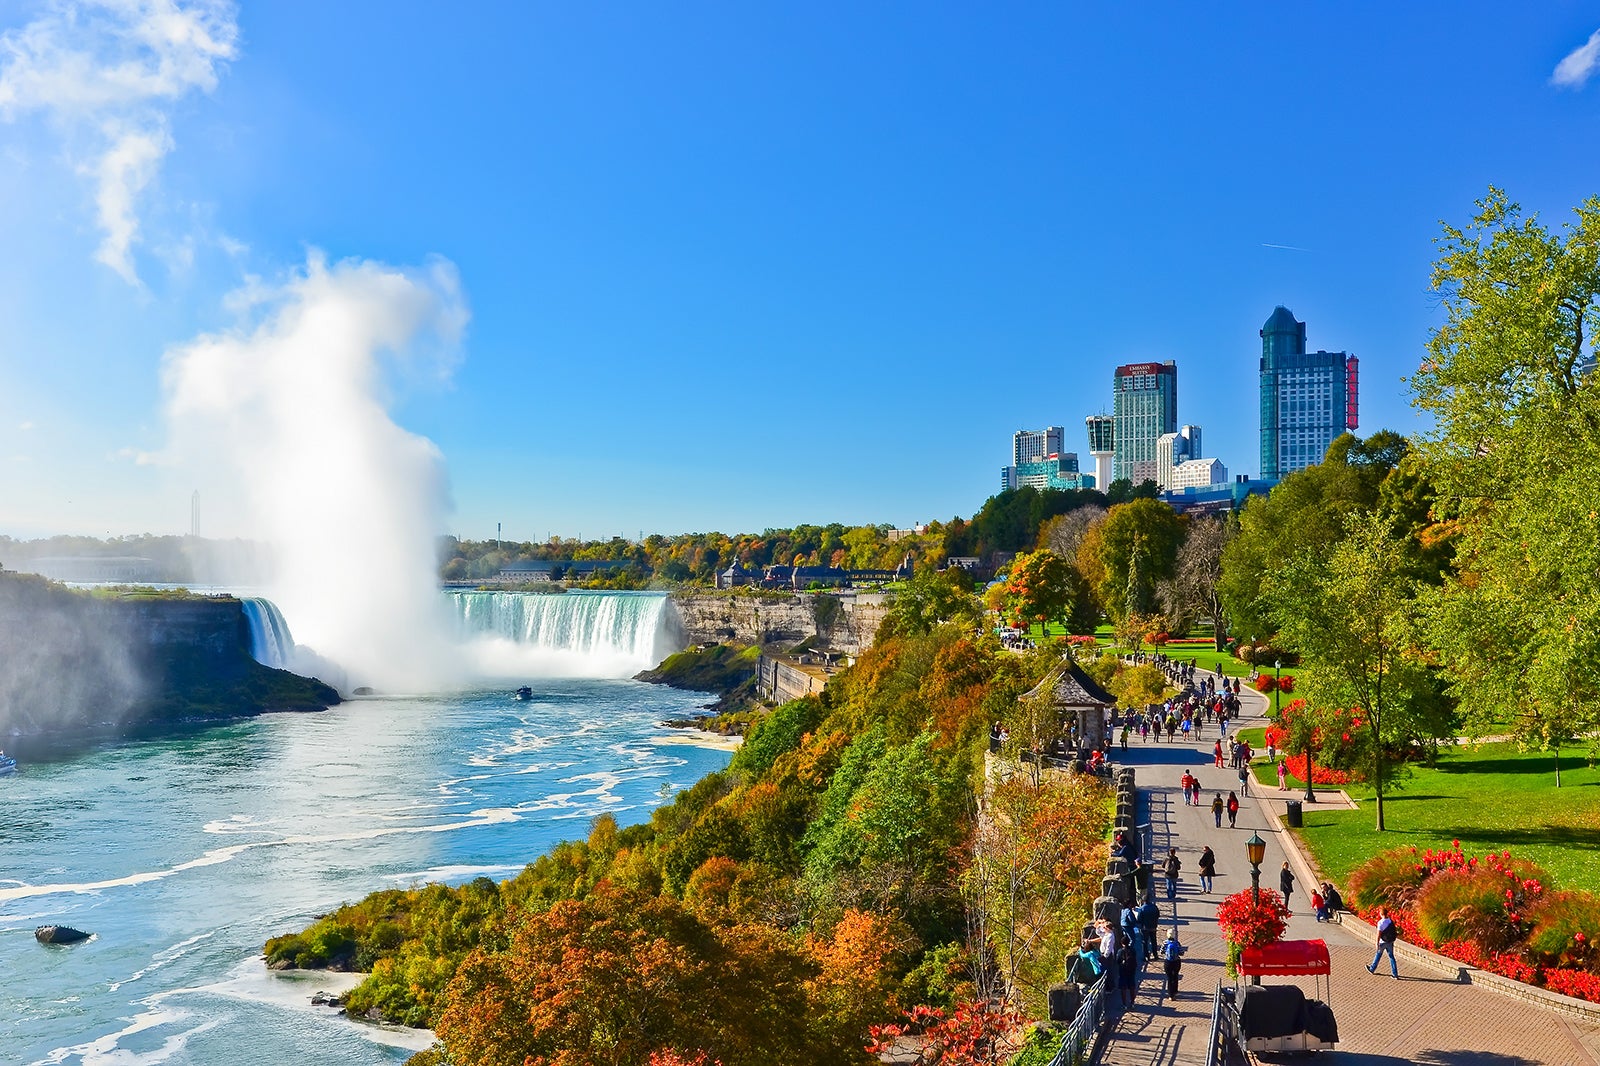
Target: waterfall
[
  {"x": 592, "y": 634},
  {"x": 271, "y": 643}
]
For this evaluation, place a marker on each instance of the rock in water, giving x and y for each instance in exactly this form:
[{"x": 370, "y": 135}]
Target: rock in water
[{"x": 59, "y": 934}]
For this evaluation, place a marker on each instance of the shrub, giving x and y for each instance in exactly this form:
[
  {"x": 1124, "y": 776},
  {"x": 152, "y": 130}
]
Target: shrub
[
  {"x": 1286, "y": 684},
  {"x": 1469, "y": 904},
  {"x": 1264, "y": 683},
  {"x": 1390, "y": 878},
  {"x": 1565, "y": 928}
]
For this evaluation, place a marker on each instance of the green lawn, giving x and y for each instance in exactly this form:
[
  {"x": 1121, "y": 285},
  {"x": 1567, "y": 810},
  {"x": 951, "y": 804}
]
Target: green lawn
[{"x": 1490, "y": 798}]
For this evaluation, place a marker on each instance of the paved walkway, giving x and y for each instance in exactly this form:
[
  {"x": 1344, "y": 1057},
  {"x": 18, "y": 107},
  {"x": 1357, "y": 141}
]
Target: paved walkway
[{"x": 1426, "y": 1017}]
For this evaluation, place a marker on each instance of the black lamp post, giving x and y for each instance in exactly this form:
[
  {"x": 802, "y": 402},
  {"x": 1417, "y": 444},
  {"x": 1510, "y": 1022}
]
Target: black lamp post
[{"x": 1255, "y": 849}]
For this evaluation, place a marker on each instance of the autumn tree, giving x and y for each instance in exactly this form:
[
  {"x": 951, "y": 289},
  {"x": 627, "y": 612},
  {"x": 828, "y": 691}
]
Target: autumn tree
[
  {"x": 1037, "y": 859},
  {"x": 1199, "y": 572},
  {"x": 1043, "y": 587}
]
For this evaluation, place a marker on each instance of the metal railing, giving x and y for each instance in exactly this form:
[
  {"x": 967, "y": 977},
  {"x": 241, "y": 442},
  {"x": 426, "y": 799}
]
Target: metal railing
[
  {"x": 1222, "y": 1046},
  {"x": 1083, "y": 1035}
]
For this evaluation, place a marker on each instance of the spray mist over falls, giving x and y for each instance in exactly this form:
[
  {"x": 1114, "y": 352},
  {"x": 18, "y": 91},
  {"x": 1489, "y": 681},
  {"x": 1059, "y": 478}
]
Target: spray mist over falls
[{"x": 286, "y": 420}]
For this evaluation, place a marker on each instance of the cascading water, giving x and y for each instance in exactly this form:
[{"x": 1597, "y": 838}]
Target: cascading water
[
  {"x": 271, "y": 643},
  {"x": 575, "y": 634}
]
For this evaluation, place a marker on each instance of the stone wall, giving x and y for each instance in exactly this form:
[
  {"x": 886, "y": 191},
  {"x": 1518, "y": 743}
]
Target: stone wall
[
  {"x": 841, "y": 621},
  {"x": 782, "y": 681}
]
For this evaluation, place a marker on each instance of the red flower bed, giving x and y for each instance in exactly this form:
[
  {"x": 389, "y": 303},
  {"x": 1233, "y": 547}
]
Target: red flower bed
[
  {"x": 1320, "y": 775},
  {"x": 1286, "y": 683},
  {"x": 1579, "y": 983},
  {"x": 1522, "y": 913}
]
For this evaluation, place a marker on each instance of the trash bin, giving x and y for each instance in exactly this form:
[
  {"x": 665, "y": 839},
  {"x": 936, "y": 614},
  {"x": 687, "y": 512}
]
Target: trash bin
[{"x": 1296, "y": 819}]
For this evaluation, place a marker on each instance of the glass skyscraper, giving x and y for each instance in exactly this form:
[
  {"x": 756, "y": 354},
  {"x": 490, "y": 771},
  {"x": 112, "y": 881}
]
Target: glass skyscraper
[
  {"x": 1307, "y": 398},
  {"x": 1144, "y": 406}
]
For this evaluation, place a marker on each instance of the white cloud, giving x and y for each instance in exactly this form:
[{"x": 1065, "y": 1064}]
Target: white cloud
[
  {"x": 106, "y": 72},
  {"x": 1579, "y": 66}
]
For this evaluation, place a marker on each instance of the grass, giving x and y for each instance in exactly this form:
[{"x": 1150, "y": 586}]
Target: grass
[{"x": 1489, "y": 798}]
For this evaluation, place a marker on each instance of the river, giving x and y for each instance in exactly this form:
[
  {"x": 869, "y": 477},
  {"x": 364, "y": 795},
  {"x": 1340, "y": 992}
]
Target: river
[{"x": 182, "y": 853}]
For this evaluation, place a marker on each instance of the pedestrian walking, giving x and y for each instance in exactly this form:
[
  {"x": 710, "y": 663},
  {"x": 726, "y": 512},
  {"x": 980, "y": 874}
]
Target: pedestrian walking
[
  {"x": 1233, "y": 808},
  {"x": 1169, "y": 870},
  {"x": 1216, "y": 809},
  {"x": 1217, "y": 751},
  {"x": 1244, "y": 780},
  {"x": 1208, "y": 867},
  {"x": 1286, "y": 885},
  {"x": 1172, "y": 962},
  {"x": 1388, "y": 933},
  {"x": 1283, "y": 775},
  {"x": 1149, "y": 925}
]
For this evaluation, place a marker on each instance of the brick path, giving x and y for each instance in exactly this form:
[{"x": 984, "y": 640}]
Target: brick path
[{"x": 1427, "y": 1017}]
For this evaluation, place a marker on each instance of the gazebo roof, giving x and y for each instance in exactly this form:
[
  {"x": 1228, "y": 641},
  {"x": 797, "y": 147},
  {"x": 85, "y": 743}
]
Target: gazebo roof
[{"x": 1069, "y": 686}]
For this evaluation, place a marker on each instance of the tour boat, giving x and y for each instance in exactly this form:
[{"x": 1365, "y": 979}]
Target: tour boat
[
  {"x": 8, "y": 765},
  {"x": 524, "y": 693}
]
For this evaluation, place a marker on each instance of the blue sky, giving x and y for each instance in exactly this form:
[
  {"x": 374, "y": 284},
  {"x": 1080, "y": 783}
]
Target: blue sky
[{"x": 740, "y": 266}]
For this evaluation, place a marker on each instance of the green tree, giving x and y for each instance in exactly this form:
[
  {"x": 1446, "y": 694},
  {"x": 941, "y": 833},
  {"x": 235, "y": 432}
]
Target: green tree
[
  {"x": 1308, "y": 506},
  {"x": 1514, "y": 459},
  {"x": 1351, "y": 614},
  {"x": 1137, "y": 549}
]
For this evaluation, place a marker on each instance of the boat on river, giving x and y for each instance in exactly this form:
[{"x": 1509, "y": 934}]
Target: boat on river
[
  {"x": 8, "y": 765},
  {"x": 524, "y": 693}
]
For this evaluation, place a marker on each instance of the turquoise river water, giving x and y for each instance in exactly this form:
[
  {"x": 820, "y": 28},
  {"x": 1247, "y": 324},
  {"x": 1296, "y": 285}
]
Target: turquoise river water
[{"x": 183, "y": 853}]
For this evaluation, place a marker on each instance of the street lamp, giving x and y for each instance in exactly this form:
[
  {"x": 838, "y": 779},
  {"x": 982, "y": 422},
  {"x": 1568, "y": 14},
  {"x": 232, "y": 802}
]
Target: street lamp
[
  {"x": 1277, "y": 681},
  {"x": 1255, "y": 849}
]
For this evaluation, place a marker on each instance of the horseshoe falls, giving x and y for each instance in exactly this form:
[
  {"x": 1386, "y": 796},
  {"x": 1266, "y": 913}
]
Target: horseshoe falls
[{"x": 573, "y": 634}]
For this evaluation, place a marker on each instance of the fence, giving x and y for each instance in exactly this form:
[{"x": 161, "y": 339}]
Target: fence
[
  {"x": 1222, "y": 1048},
  {"x": 1078, "y": 1045}
]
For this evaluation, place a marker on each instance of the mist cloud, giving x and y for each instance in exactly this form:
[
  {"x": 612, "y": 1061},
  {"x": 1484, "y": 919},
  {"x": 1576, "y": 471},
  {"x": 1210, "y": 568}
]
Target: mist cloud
[
  {"x": 289, "y": 414},
  {"x": 106, "y": 73}
]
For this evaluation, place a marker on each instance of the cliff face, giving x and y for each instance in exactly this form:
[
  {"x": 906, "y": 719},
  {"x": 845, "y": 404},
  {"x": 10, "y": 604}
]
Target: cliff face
[
  {"x": 70, "y": 660},
  {"x": 841, "y": 621}
]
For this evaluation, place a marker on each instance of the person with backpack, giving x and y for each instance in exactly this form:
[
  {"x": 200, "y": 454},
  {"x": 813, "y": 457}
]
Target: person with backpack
[
  {"x": 1169, "y": 870},
  {"x": 1129, "y": 922},
  {"x": 1388, "y": 933},
  {"x": 1216, "y": 809},
  {"x": 1233, "y": 808},
  {"x": 1172, "y": 962}
]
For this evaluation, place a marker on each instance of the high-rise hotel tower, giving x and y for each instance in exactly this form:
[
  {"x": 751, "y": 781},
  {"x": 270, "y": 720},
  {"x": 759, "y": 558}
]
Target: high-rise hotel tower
[
  {"x": 1144, "y": 406},
  {"x": 1307, "y": 398}
]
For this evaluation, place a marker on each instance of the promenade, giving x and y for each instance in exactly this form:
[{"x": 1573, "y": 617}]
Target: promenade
[{"x": 1426, "y": 1017}]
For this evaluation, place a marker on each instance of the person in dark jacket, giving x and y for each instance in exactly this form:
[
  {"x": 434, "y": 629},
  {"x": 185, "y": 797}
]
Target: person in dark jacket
[
  {"x": 1149, "y": 925},
  {"x": 1208, "y": 868},
  {"x": 1286, "y": 884}
]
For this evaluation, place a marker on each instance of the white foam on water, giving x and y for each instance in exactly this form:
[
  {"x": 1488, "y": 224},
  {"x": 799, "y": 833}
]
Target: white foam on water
[{"x": 482, "y": 817}]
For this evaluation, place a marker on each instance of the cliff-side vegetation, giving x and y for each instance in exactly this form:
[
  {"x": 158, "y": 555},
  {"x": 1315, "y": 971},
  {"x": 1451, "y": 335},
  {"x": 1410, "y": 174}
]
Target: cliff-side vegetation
[{"x": 772, "y": 912}]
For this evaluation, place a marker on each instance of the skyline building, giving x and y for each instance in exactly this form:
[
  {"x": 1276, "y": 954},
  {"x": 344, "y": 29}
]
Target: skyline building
[
  {"x": 1307, "y": 398},
  {"x": 1102, "y": 447},
  {"x": 1032, "y": 445},
  {"x": 1144, "y": 406},
  {"x": 1175, "y": 448},
  {"x": 1058, "y": 471}
]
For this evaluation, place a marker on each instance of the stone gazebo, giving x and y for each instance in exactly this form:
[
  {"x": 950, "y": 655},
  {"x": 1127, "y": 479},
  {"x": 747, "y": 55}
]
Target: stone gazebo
[{"x": 1078, "y": 701}]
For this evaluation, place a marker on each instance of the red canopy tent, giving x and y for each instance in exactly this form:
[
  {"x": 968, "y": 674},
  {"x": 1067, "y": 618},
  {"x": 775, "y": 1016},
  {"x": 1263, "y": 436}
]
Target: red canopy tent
[{"x": 1287, "y": 958}]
